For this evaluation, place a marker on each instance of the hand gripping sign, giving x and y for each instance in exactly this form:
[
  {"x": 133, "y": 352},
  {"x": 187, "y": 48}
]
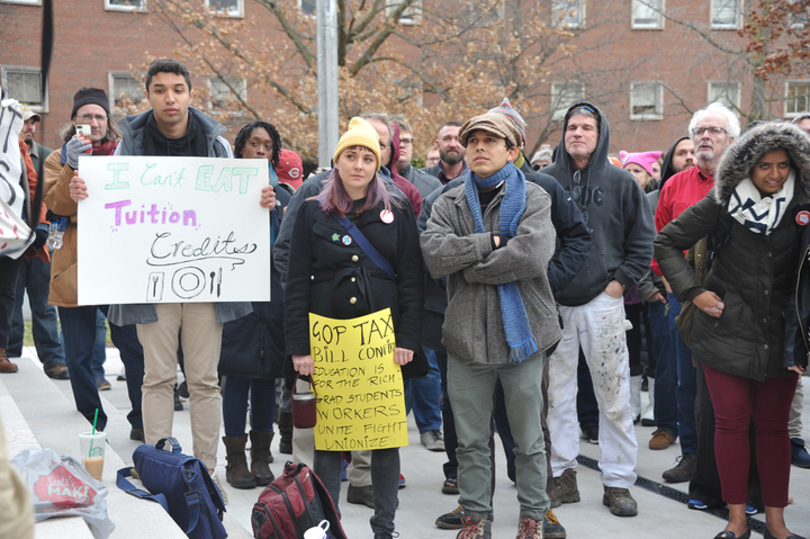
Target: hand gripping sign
[
  {"x": 173, "y": 229},
  {"x": 360, "y": 397}
]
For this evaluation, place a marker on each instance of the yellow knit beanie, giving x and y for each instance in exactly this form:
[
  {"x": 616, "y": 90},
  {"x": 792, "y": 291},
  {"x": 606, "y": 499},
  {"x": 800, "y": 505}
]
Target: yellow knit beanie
[{"x": 360, "y": 133}]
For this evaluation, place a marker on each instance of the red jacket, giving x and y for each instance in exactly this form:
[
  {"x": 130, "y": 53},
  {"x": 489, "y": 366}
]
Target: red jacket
[{"x": 681, "y": 191}]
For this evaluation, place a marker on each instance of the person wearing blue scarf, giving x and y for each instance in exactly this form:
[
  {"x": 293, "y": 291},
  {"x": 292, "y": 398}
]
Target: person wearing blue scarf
[{"x": 492, "y": 237}]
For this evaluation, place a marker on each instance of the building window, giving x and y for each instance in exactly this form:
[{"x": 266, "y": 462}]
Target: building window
[
  {"x": 222, "y": 91},
  {"x": 797, "y": 98},
  {"x": 412, "y": 15},
  {"x": 25, "y": 85},
  {"x": 308, "y": 7},
  {"x": 563, "y": 95},
  {"x": 727, "y": 93},
  {"x": 125, "y": 90},
  {"x": 125, "y": 5},
  {"x": 726, "y": 14},
  {"x": 231, "y": 8},
  {"x": 482, "y": 13},
  {"x": 798, "y": 20},
  {"x": 647, "y": 14},
  {"x": 646, "y": 101},
  {"x": 25, "y": 2},
  {"x": 569, "y": 13}
]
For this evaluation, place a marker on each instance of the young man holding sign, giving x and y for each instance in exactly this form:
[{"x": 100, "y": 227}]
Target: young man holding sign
[
  {"x": 493, "y": 237},
  {"x": 173, "y": 128}
]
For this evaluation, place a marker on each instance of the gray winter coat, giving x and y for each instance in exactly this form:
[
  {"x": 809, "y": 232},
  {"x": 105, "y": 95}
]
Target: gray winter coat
[
  {"x": 755, "y": 275},
  {"x": 423, "y": 181},
  {"x": 473, "y": 325}
]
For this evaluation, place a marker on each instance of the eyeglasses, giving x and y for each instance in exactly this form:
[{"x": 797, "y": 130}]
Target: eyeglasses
[
  {"x": 406, "y": 141},
  {"x": 713, "y": 131},
  {"x": 87, "y": 118}
]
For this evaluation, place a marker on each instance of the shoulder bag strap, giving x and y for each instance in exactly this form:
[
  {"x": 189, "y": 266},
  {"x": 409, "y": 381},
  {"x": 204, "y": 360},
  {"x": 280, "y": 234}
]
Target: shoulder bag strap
[
  {"x": 367, "y": 248},
  {"x": 129, "y": 488}
]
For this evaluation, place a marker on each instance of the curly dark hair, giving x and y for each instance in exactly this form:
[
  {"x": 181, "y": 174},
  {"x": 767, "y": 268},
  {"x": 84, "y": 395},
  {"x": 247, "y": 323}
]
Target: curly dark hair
[{"x": 244, "y": 135}]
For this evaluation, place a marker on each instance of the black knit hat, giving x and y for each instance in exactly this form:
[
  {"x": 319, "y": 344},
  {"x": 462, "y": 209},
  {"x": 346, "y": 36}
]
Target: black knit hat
[{"x": 90, "y": 96}]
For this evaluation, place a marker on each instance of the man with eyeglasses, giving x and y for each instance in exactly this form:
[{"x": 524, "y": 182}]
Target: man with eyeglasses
[
  {"x": 712, "y": 131},
  {"x": 91, "y": 107},
  {"x": 592, "y": 309},
  {"x": 423, "y": 181}
]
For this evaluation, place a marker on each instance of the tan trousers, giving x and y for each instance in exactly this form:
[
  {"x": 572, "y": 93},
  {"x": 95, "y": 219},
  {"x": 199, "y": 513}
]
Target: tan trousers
[
  {"x": 195, "y": 326},
  {"x": 359, "y": 471}
]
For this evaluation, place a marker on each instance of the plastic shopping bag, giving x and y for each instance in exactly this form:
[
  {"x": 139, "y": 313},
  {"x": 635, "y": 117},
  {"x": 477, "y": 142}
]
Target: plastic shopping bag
[{"x": 61, "y": 487}]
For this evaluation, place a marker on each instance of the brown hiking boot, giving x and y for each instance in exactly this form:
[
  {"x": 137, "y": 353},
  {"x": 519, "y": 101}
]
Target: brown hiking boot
[
  {"x": 5, "y": 364},
  {"x": 564, "y": 489},
  {"x": 661, "y": 439},
  {"x": 682, "y": 472},
  {"x": 620, "y": 501}
]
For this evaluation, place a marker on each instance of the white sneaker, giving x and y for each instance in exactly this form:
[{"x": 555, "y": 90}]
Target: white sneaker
[
  {"x": 215, "y": 477},
  {"x": 432, "y": 440}
]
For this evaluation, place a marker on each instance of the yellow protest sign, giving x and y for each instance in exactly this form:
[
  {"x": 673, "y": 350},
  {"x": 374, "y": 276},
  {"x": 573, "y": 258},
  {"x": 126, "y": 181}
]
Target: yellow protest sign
[{"x": 360, "y": 398}]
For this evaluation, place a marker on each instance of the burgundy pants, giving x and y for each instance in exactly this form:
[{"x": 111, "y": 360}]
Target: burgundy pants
[{"x": 736, "y": 400}]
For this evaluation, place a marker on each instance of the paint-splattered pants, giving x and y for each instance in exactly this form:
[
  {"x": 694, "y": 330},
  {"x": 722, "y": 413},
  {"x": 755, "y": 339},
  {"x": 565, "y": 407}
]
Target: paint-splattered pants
[{"x": 598, "y": 328}]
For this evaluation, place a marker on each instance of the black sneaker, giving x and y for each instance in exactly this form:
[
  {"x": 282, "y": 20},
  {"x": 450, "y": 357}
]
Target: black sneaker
[
  {"x": 137, "y": 435},
  {"x": 451, "y": 520},
  {"x": 552, "y": 529},
  {"x": 178, "y": 406},
  {"x": 360, "y": 495},
  {"x": 591, "y": 434}
]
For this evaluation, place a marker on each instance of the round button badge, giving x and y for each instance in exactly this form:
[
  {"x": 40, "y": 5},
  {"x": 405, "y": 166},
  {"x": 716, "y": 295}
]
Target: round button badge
[{"x": 387, "y": 217}]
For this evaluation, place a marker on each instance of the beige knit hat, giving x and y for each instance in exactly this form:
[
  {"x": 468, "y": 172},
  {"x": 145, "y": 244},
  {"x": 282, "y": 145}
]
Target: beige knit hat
[{"x": 491, "y": 122}]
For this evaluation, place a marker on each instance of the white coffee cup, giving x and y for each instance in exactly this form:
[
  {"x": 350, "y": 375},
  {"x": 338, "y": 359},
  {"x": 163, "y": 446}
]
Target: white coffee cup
[{"x": 318, "y": 532}]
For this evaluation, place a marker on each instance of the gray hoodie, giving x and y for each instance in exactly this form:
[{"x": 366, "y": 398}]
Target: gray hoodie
[{"x": 618, "y": 217}]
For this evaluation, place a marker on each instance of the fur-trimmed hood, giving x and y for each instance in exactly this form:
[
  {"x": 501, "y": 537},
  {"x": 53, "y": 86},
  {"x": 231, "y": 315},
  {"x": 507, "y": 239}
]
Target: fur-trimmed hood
[{"x": 740, "y": 158}]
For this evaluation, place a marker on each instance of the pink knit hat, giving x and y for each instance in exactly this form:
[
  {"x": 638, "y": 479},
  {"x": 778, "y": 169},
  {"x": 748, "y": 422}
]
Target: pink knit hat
[{"x": 645, "y": 160}]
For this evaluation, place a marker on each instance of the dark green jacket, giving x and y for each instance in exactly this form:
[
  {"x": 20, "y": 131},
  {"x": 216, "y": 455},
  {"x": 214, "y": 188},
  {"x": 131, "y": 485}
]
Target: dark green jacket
[{"x": 754, "y": 274}]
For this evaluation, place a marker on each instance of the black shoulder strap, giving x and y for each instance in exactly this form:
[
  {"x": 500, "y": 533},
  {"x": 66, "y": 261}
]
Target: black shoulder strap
[{"x": 718, "y": 238}]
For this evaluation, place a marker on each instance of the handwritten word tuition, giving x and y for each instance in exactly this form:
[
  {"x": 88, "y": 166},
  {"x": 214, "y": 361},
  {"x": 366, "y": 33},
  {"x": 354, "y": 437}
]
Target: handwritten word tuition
[{"x": 154, "y": 216}]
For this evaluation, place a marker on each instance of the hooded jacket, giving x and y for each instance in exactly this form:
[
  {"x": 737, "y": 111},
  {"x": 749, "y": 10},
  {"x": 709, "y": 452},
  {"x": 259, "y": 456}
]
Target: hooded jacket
[
  {"x": 132, "y": 131},
  {"x": 754, "y": 274},
  {"x": 616, "y": 213}
]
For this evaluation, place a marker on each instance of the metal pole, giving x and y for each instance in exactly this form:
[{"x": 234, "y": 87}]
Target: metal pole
[{"x": 328, "y": 126}]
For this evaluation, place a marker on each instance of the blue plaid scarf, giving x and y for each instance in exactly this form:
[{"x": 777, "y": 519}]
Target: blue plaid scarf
[{"x": 515, "y": 322}]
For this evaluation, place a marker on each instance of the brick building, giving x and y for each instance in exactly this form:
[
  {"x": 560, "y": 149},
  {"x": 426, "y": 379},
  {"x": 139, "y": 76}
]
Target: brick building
[{"x": 648, "y": 71}]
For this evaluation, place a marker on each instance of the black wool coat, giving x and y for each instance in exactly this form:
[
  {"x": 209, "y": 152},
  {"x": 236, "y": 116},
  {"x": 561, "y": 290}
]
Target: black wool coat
[{"x": 329, "y": 278}]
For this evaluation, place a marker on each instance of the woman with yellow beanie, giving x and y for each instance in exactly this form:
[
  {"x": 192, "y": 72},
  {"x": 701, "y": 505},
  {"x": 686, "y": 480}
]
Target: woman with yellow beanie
[{"x": 331, "y": 275}]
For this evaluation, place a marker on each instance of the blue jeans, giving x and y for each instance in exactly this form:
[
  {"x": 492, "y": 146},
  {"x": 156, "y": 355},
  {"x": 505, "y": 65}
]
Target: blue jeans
[
  {"x": 686, "y": 393},
  {"x": 234, "y": 404},
  {"x": 35, "y": 277},
  {"x": 666, "y": 370},
  {"x": 423, "y": 395},
  {"x": 79, "y": 326}
]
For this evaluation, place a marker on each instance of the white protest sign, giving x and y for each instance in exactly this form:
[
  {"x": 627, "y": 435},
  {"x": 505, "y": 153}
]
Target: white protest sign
[{"x": 173, "y": 229}]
